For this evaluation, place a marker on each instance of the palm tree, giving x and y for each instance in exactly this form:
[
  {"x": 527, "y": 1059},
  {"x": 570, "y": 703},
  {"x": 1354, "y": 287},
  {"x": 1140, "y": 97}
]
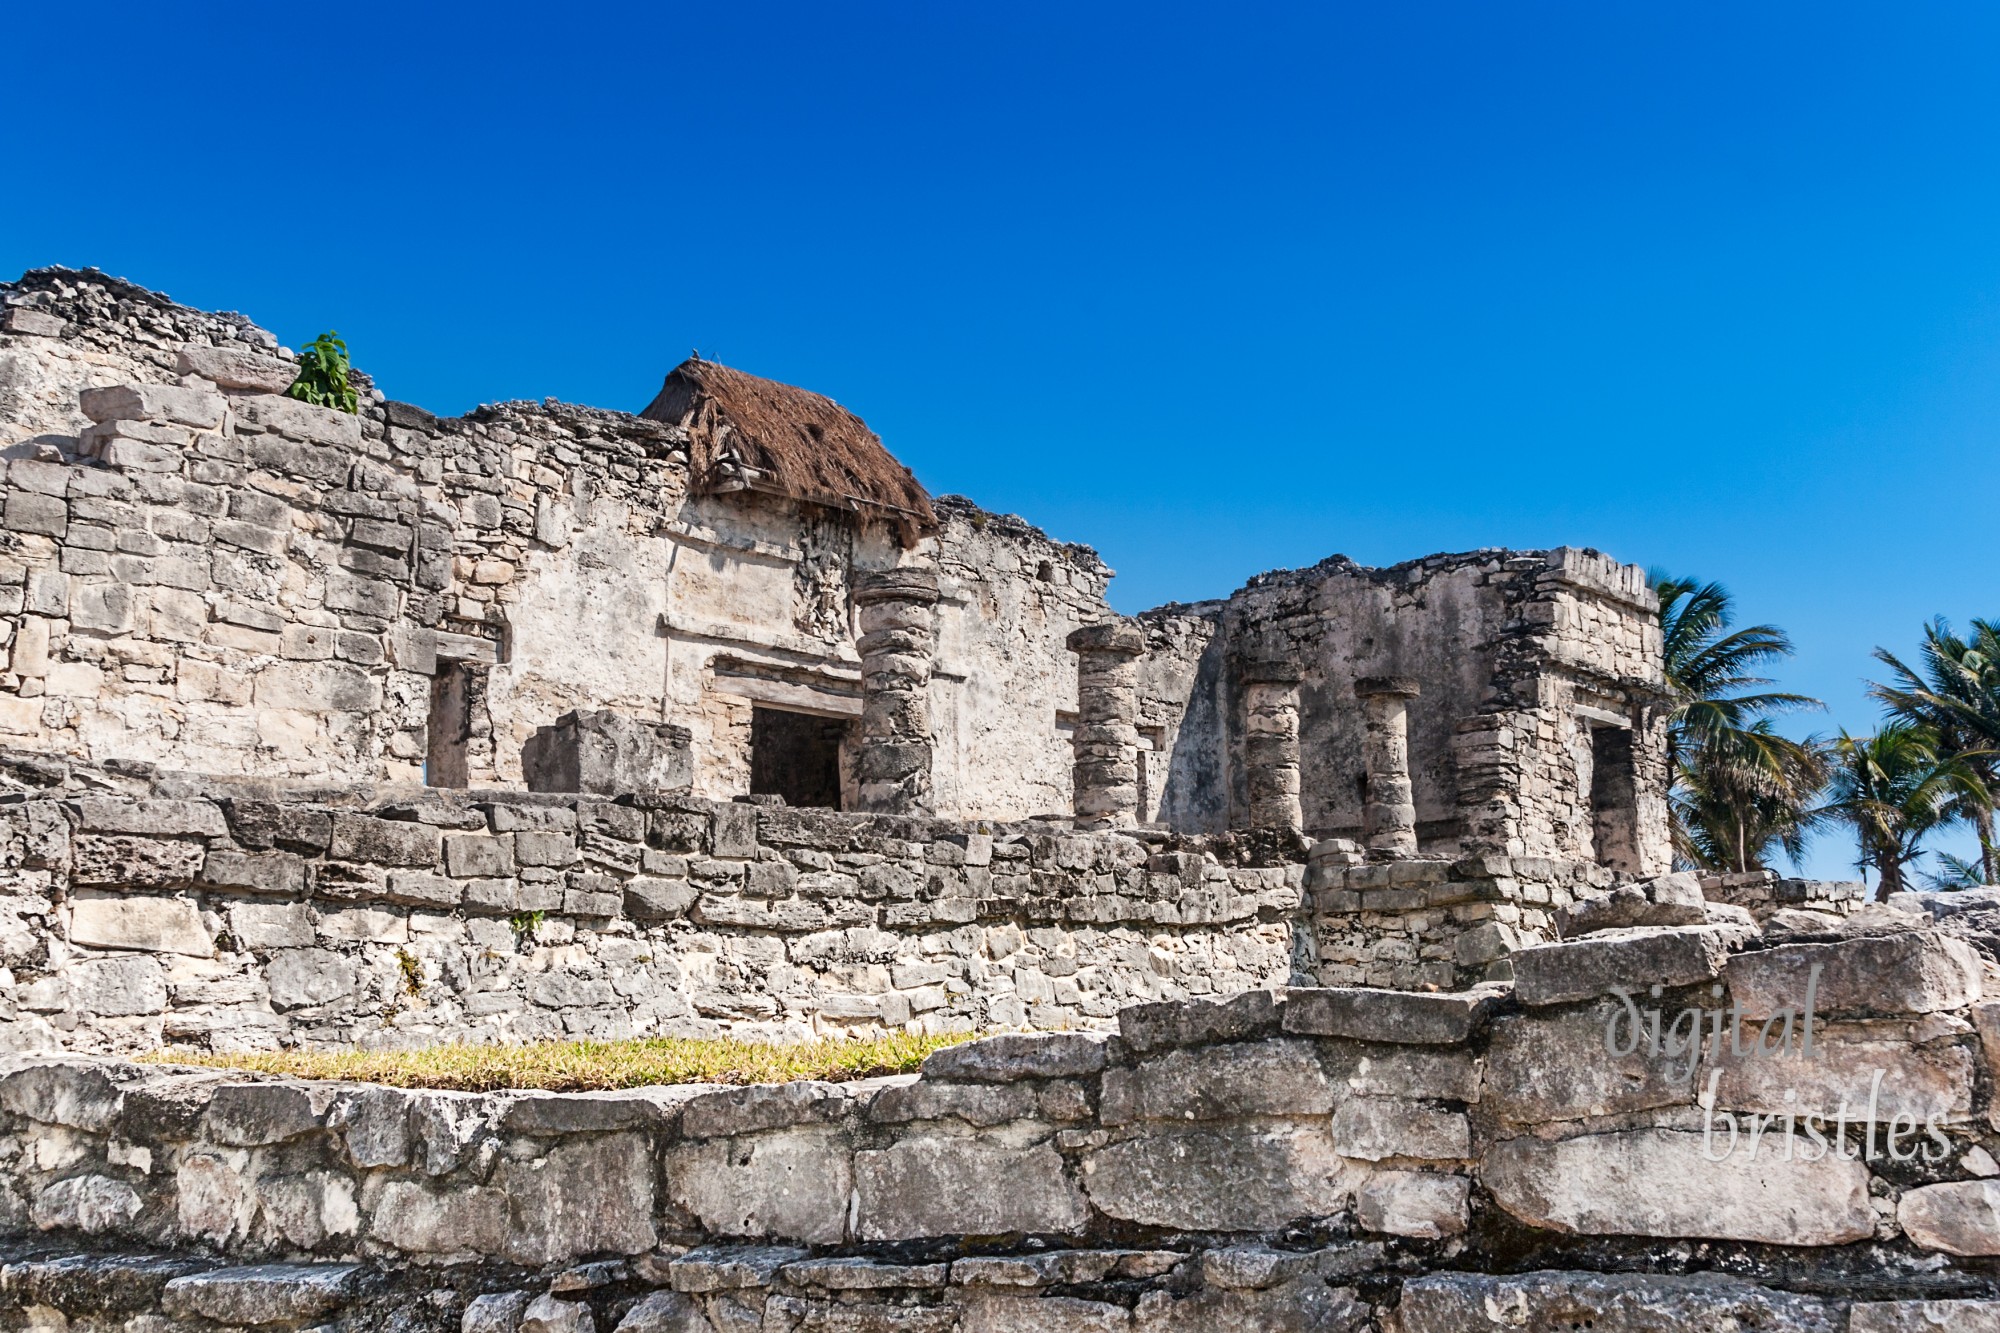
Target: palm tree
[
  {"x": 1953, "y": 873},
  {"x": 1742, "y": 796},
  {"x": 1895, "y": 789},
  {"x": 1955, "y": 692},
  {"x": 1738, "y": 790}
]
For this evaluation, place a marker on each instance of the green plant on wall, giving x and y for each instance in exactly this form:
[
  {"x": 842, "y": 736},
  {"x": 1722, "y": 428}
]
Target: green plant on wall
[{"x": 323, "y": 375}]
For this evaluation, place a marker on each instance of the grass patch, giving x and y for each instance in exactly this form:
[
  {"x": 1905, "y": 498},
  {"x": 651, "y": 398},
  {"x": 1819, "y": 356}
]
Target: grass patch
[{"x": 588, "y": 1066}]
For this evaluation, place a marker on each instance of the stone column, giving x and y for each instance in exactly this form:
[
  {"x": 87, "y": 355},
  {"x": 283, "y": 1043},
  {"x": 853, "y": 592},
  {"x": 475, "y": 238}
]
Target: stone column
[
  {"x": 1389, "y": 820},
  {"x": 897, "y": 620},
  {"x": 1271, "y": 743},
  {"x": 1106, "y": 772}
]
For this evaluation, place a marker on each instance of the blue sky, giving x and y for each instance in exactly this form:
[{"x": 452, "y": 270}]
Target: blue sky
[{"x": 1216, "y": 289}]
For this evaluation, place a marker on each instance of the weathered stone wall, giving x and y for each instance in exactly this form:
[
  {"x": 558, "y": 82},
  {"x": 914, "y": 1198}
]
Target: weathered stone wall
[
  {"x": 224, "y": 916},
  {"x": 1517, "y": 658},
  {"x": 1004, "y": 688},
  {"x": 1433, "y": 923},
  {"x": 201, "y": 574},
  {"x": 1308, "y": 1159}
]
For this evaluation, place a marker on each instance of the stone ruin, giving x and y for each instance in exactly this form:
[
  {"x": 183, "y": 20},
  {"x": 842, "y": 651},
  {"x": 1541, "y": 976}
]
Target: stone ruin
[{"x": 1333, "y": 926}]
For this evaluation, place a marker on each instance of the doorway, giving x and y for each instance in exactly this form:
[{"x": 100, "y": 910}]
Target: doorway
[
  {"x": 796, "y": 756},
  {"x": 1614, "y": 799},
  {"x": 448, "y": 733}
]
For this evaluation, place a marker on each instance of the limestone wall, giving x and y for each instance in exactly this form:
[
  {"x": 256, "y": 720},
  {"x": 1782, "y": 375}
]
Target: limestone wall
[
  {"x": 198, "y": 573},
  {"x": 1518, "y": 656},
  {"x": 1310, "y": 1159},
  {"x": 222, "y": 916},
  {"x": 1003, "y": 693}
]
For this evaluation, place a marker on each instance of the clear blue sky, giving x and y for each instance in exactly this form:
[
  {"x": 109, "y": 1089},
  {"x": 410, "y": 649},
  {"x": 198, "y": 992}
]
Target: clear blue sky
[{"x": 1217, "y": 289}]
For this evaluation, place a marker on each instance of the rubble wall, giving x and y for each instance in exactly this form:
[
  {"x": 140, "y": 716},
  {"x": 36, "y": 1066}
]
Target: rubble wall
[
  {"x": 229, "y": 918},
  {"x": 1307, "y": 1159}
]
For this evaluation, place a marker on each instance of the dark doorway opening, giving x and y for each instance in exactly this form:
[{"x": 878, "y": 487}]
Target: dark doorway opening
[
  {"x": 1614, "y": 799},
  {"x": 448, "y": 733},
  {"x": 796, "y": 756}
]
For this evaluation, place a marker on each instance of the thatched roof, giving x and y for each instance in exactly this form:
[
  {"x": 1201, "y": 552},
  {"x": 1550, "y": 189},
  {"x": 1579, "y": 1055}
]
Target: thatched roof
[{"x": 756, "y": 434}]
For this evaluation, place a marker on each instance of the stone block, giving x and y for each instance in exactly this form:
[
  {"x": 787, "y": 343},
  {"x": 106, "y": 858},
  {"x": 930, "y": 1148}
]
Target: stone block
[
  {"x": 78, "y": 1096},
  {"x": 548, "y": 1313},
  {"x": 545, "y": 849},
  {"x": 649, "y": 899},
  {"x": 44, "y": 515},
  {"x": 264, "y": 1293},
  {"x": 1656, "y": 1182},
  {"x": 1373, "y": 1129},
  {"x": 151, "y": 817},
  {"x": 583, "y": 1197},
  {"x": 265, "y": 926},
  {"x": 1670, "y": 900},
  {"x": 663, "y": 1312},
  {"x": 1401, "y": 1017},
  {"x": 148, "y": 925},
  {"x": 730, "y": 1267},
  {"x": 993, "y": 1312},
  {"x": 117, "y": 987},
  {"x": 1588, "y": 969},
  {"x": 474, "y": 855},
  {"x": 101, "y": 608},
  {"x": 1275, "y": 1077},
  {"x": 982, "y": 1105},
  {"x": 463, "y": 1221},
  {"x": 255, "y": 1115},
  {"x": 1547, "y": 1067},
  {"x": 865, "y": 1275},
  {"x": 386, "y": 842},
  {"x": 236, "y": 368},
  {"x": 136, "y": 862},
  {"x": 1419, "y": 1204},
  {"x": 266, "y": 824},
  {"x": 764, "y": 1106},
  {"x": 38, "y": 323},
  {"x": 497, "y": 1312},
  {"x": 951, "y": 1186},
  {"x": 47, "y": 592},
  {"x": 255, "y": 872},
  {"x": 587, "y": 903},
  {"x": 300, "y": 421},
  {"x": 1303, "y": 1305},
  {"x": 199, "y": 408},
  {"x": 302, "y": 978},
  {"x": 1146, "y": 1028},
  {"x": 1608, "y": 1303},
  {"x": 607, "y": 753},
  {"x": 1913, "y": 972},
  {"x": 1960, "y": 1217},
  {"x": 363, "y": 925},
  {"x": 1921, "y": 1079},
  {"x": 416, "y": 888},
  {"x": 732, "y": 831},
  {"x": 1420, "y": 1073},
  {"x": 91, "y": 1204},
  {"x": 1234, "y": 1178},
  {"x": 791, "y": 1184},
  {"x": 1005, "y": 1058},
  {"x": 317, "y": 687},
  {"x": 1925, "y": 1317}
]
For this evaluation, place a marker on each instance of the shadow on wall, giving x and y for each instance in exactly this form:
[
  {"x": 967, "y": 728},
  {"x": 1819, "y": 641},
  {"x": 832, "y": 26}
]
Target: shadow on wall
[{"x": 1195, "y": 798}]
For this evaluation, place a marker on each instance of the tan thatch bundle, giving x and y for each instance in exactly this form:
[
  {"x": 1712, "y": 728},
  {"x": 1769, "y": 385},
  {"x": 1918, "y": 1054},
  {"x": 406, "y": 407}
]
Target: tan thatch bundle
[{"x": 747, "y": 433}]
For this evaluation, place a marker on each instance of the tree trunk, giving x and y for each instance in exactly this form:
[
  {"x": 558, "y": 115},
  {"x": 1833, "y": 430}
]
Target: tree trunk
[{"x": 1989, "y": 855}]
